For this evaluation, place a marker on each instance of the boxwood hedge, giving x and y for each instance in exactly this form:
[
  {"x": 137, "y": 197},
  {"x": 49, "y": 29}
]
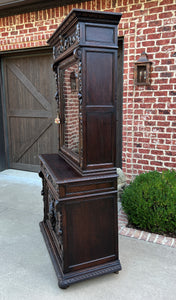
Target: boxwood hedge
[{"x": 150, "y": 202}]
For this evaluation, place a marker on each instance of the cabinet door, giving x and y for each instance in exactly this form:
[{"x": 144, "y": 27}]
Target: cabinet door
[{"x": 69, "y": 139}]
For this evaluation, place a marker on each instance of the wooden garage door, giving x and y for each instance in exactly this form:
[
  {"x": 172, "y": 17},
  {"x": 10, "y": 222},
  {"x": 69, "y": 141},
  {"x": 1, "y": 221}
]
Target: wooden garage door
[{"x": 30, "y": 108}]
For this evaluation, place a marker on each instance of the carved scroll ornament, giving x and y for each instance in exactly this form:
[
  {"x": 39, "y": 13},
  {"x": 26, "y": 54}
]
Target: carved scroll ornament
[{"x": 66, "y": 42}]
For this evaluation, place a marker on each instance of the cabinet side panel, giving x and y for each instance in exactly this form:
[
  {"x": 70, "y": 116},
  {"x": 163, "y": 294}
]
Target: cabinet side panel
[
  {"x": 100, "y": 34},
  {"x": 91, "y": 232},
  {"x": 100, "y": 138},
  {"x": 99, "y": 78}
]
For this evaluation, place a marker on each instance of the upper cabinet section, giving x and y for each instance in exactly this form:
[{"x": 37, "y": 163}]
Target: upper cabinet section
[{"x": 85, "y": 62}]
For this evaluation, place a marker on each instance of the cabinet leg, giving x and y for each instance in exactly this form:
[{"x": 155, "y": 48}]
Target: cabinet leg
[{"x": 63, "y": 285}]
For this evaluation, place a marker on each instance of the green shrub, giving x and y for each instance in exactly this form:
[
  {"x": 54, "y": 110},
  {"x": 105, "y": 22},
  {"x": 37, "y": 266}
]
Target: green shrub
[{"x": 150, "y": 202}]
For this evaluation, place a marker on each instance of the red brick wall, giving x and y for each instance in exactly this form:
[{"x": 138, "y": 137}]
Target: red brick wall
[
  {"x": 149, "y": 112},
  {"x": 71, "y": 132}
]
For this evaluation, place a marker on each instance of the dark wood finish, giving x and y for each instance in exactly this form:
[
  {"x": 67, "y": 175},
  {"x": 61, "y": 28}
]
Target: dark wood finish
[
  {"x": 30, "y": 109},
  {"x": 119, "y": 117},
  {"x": 89, "y": 38},
  {"x": 3, "y": 160},
  {"x": 80, "y": 221},
  {"x": 80, "y": 225}
]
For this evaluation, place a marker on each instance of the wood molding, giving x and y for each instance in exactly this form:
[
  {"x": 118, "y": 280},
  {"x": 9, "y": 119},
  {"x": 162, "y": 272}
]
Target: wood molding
[
  {"x": 43, "y": 50},
  {"x": 8, "y": 8}
]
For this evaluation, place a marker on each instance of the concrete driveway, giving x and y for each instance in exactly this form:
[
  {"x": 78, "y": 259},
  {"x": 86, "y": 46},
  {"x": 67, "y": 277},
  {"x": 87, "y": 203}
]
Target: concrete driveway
[{"x": 26, "y": 271}]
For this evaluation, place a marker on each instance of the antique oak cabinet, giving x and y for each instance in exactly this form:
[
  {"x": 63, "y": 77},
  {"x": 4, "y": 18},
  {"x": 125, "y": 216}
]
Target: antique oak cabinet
[{"x": 80, "y": 181}]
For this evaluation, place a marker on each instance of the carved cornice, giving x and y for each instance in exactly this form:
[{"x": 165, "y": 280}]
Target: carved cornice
[
  {"x": 64, "y": 43},
  {"x": 81, "y": 15}
]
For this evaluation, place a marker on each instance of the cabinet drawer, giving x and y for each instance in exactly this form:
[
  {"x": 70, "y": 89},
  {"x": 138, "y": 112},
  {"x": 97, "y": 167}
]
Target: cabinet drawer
[{"x": 90, "y": 188}]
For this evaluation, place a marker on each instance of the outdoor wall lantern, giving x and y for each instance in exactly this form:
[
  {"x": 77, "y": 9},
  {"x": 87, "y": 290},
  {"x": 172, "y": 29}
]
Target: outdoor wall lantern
[{"x": 142, "y": 70}]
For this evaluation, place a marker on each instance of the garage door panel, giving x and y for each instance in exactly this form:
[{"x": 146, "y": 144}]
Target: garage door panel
[
  {"x": 31, "y": 109},
  {"x": 25, "y": 94}
]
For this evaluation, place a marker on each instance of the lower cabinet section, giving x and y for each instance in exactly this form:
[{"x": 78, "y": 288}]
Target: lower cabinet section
[
  {"x": 81, "y": 232},
  {"x": 66, "y": 279}
]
